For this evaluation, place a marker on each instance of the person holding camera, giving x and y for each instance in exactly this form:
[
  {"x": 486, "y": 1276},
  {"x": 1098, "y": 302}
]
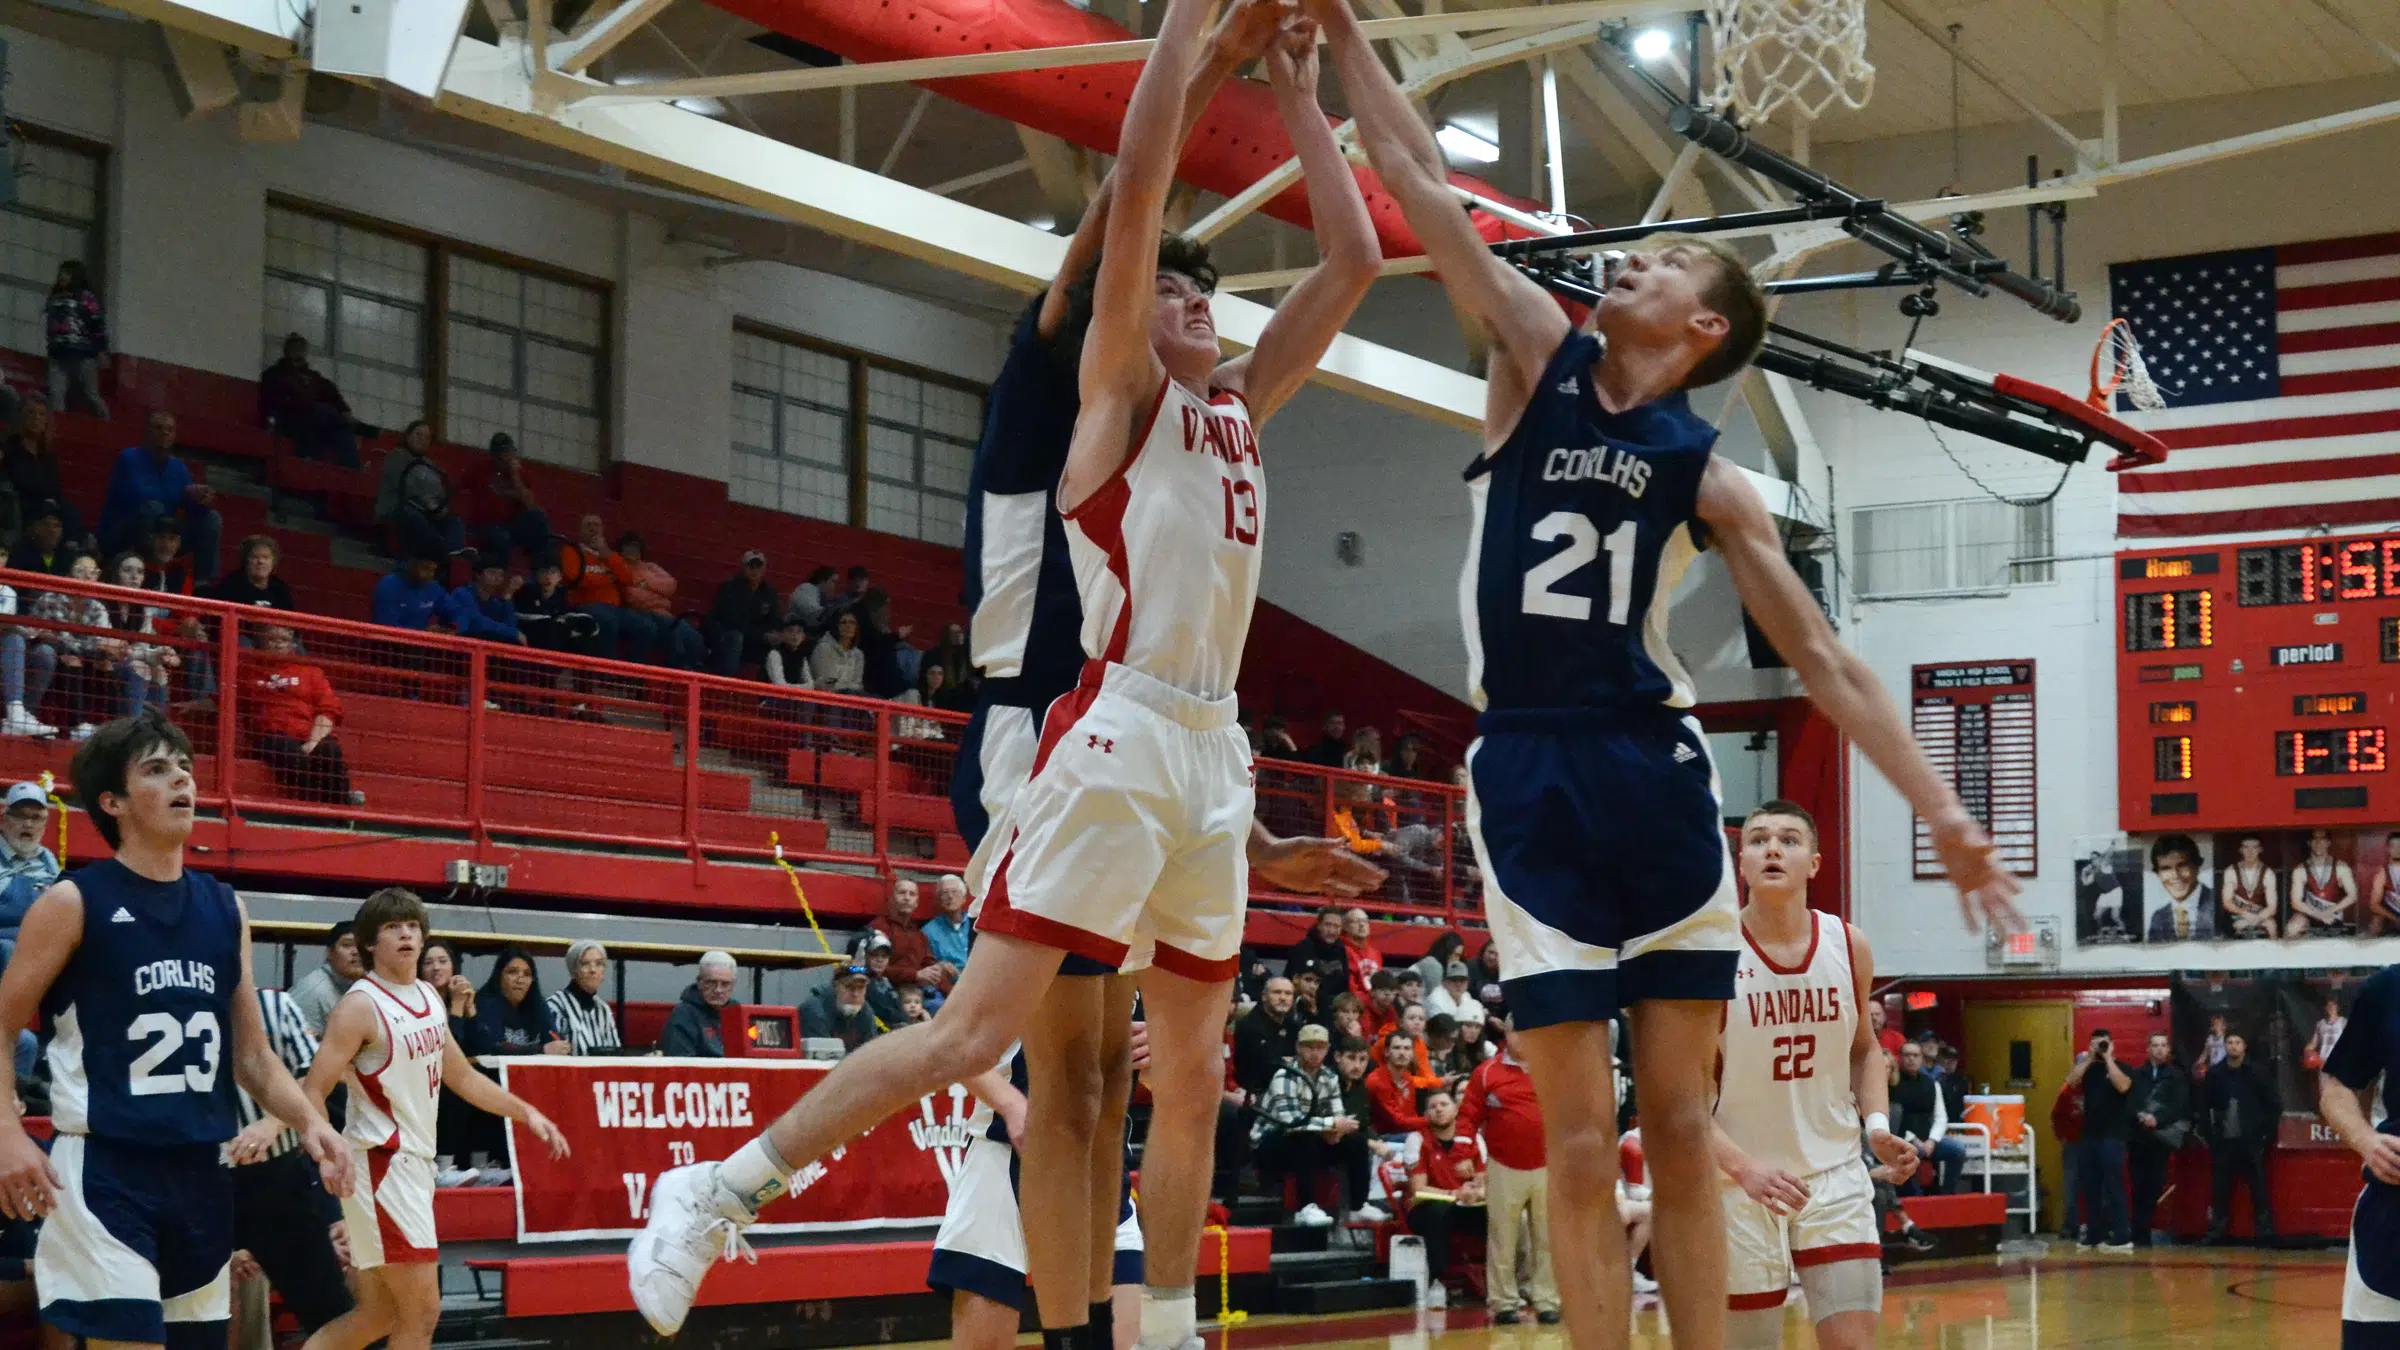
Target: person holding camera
[
  {"x": 2100, "y": 1160},
  {"x": 2162, "y": 1118}
]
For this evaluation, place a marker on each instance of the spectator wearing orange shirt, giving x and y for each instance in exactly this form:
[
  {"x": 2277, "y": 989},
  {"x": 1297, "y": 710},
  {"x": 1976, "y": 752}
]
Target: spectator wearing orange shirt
[
  {"x": 1445, "y": 1190},
  {"x": 596, "y": 580},
  {"x": 1392, "y": 1091},
  {"x": 1380, "y": 1006},
  {"x": 1409, "y": 1028},
  {"x": 666, "y": 640},
  {"x": 293, "y": 712},
  {"x": 1501, "y": 1108}
]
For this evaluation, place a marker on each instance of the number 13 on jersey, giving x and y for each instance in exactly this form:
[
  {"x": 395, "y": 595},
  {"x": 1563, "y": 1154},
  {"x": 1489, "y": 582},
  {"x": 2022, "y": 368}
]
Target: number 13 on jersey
[{"x": 1583, "y": 545}]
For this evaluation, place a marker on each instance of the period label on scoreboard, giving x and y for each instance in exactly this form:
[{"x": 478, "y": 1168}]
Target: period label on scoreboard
[{"x": 1975, "y": 720}]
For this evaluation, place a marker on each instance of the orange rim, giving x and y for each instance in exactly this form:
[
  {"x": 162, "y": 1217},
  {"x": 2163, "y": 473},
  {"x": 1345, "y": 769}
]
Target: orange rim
[{"x": 2116, "y": 375}]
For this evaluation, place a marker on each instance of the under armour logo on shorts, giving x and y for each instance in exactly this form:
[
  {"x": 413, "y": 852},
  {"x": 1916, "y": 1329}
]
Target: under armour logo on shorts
[{"x": 1104, "y": 747}]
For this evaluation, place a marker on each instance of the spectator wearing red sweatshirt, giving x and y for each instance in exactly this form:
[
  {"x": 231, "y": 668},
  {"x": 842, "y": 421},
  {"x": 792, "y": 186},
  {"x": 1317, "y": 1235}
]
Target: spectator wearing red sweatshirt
[
  {"x": 1445, "y": 1189},
  {"x": 2066, "y": 1126},
  {"x": 292, "y": 712},
  {"x": 912, "y": 954},
  {"x": 1392, "y": 1091},
  {"x": 1501, "y": 1107}
]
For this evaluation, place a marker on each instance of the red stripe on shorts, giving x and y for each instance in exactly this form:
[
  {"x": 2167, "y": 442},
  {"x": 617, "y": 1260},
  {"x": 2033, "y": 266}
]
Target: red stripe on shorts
[
  {"x": 1001, "y": 917},
  {"x": 1175, "y": 961},
  {"x": 397, "y": 1249},
  {"x": 1809, "y": 1257},
  {"x": 1754, "y": 1302}
]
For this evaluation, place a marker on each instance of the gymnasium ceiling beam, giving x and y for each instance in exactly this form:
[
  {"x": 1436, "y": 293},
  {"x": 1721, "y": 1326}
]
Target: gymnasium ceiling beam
[{"x": 577, "y": 54}]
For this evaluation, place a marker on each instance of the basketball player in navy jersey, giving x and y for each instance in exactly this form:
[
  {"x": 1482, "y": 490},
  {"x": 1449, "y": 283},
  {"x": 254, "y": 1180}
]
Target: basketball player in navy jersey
[
  {"x": 1591, "y": 800},
  {"x": 2368, "y": 1052},
  {"x": 1157, "y": 295},
  {"x": 143, "y": 970}
]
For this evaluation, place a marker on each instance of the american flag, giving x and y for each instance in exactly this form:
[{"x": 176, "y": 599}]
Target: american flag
[{"x": 2281, "y": 371}]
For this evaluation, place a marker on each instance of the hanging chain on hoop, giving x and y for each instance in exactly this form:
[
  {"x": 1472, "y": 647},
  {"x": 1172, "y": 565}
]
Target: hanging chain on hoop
[{"x": 1804, "y": 53}]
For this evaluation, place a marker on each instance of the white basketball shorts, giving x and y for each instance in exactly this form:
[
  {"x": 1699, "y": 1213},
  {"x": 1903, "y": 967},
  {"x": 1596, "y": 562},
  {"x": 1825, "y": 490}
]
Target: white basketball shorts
[
  {"x": 980, "y": 1247},
  {"x": 1134, "y": 825},
  {"x": 389, "y": 1208},
  {"x": 1765, "y": 1249}
]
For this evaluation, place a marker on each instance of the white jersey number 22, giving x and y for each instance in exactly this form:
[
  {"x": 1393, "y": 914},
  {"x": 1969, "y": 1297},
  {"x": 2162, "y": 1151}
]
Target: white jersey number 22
[{"x": 1583, "y": 545}]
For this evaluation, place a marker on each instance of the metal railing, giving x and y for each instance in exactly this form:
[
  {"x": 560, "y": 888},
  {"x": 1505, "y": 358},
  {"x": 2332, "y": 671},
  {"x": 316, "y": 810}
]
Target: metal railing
[{"x": 494, "y": 741}]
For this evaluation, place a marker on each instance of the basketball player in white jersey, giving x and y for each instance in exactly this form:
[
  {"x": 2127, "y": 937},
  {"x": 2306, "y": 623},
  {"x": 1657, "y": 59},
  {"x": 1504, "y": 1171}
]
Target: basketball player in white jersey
[
  {"x": 2324, "y": 890},
  {"x": 1800, "y": 1067},
  {"x": 1134, "y": 825},
  {"x": 388, "y": 1041}
]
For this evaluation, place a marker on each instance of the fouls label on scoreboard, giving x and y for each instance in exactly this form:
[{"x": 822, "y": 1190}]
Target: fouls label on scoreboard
[{"x": 1975, "y": 720}]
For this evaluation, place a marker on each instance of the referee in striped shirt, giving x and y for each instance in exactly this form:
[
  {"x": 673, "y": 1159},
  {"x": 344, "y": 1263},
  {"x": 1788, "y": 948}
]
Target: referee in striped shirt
[{"x": 281, "y": 1213}]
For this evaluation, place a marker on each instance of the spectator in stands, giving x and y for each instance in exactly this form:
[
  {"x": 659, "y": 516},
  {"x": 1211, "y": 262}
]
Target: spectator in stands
[
  {"x": 27, "y": 866},
  {"x": 168, "y": 568},
  {"x": 1434, "y": 966},
  {"x": 1411, "y": 990},
  {"x": 912, "y": 955},
  {"x": 1409, "y": 1026},
  {"x": 483, "y": 608},
  {"x": 1382, "y": 1009},
  {"x": 950, "y": 933},
  {"x": 1452, "y": 998},
  {"x": 745, "y": 612},
  {"x": 577, "y": 1009},
  {"x": 2066, "y": 1126},
  {"x": 298, "y": 402},
  {"x": 45, "y": 547},
  {"x": 838, "y": 665},
  {"x": 841, "y": 1015},
  {"x": 2100, "y": 1161},
  {"x": 1445, "y": 1190},
  {"x": 1888, "y": 1037},
  {"x": 87, "y": 652},
  {"x": 75, "y": 335},
  {"x": 1444, "y": 1054},
  {"x": 1346, "y": 1016},
  {"x": 912, "y": 1007},
  {"x": 149, "y": 482},
  {"x": 292, "y": 712},
  {"x": 2244, "y": 1111},
  {"x": 512, "y": 1016},
  {"x": 439, "y": 965},
  {"x": 1321, "y": 948},
  {"x": 1953, "y": 1082},
  {"x": 891, "y": 662},
  {"x": 145, "y": 665},
  {"x": 1408, "y": 760},
  {"x": 1333, "y": 742},
  {"x": 30, "y": 464},
  {"x": 1275, "y": 740},
  {"x": 2162, "y": 1120},
  {"x": 786, "y": 662},
  {"x": 1264, "y": 1037},
  {"x": 1921, "y": 1116},
  {"x": 256, "y": 582},
  {"x": 1299, "y": 1122},
  {"x": 696, "y": 1027},
  {"x": 1358, "y": 942},
  {"x": 506, "y": 514},
  {"x": 1366, "y": 751},
  {"x": 1499, "y": 1106},
  {"x": 318, "y": 990},
  {"x": 874, "y": 951},
  {"x": 1473, "y": 1045},
  {"x": 958, "y": 667},
  {"x": 813, "y": 599},
  {"x": 545, "y": 618},
  {"x": 27, "y": 665},
  {"x": 596, "y": 580},
  {"x": 409, "y": 597},
  {"x": 651, "y": 599},
  {"x": 413, "y": 498},
  {"x": 1393, "y": 1090},
  {"x": 927, "y": 694},
  {"x": 1305, "y": 984}
]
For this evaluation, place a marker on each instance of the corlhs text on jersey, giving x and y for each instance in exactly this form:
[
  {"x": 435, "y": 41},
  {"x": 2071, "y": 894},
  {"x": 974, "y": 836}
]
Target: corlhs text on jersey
[
  {"x": 173, "y": 974},
  {"x": 1228, "y": 438},
  {"x": 1599, "y": 464}
]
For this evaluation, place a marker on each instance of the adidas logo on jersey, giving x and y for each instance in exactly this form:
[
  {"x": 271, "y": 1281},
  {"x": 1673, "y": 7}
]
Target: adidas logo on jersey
[
  {"x": 121, "y": 916},
  {"x": 1685, "y": 754},
  {"x": 1570, "y": 386}
]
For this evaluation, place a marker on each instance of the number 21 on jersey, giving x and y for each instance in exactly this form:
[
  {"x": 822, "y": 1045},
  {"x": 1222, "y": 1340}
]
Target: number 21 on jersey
[{"x": 1583, "y": 545}]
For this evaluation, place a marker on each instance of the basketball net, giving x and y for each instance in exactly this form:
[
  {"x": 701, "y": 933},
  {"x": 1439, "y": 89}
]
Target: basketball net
[
  {"x": 1801, "y": 53},
  {"x": 2117, "y": 366}
]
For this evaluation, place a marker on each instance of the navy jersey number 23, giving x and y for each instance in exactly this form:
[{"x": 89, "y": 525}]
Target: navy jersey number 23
[
  {"x": 1582, "y": 529},
  {"x": 143, "y": 1012}
]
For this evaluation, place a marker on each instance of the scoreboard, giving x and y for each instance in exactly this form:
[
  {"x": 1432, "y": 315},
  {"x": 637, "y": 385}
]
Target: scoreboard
[{"x": 2258, "y": 685}]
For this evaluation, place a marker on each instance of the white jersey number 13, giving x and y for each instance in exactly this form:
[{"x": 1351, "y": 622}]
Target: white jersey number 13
[{"x": 1583, "y": 545}]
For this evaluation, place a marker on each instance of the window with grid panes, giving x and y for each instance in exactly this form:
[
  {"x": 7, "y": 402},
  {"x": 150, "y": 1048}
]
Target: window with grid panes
[
  {"x": 920, "y": 444},
  {"x": 1938, "y": 548},
  {"x": 359, "y": 296},
  {"x": 791, "y": 428},
  {"x": 524, "y": 358},
  {"x": 54, "y": 216}
]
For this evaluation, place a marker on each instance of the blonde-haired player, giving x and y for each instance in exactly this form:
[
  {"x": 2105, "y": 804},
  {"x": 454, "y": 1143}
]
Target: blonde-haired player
[{"x": 1800, "y": 1069}]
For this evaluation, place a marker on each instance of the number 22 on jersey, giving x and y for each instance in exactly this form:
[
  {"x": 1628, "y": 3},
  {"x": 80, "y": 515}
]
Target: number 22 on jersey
[{"x": 1584, "y": 544}]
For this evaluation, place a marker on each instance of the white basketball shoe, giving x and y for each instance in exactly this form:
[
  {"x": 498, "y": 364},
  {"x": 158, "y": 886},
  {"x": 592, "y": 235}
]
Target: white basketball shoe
[{"x": 692, "y": 1226}]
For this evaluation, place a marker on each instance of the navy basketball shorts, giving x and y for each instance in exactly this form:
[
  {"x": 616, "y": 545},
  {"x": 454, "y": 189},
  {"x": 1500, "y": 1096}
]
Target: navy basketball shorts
[
  {"x": 139, "y": 1245},
  {"x": 2371, "y": 1284},
  {"x": 1605, "y": 871},
  {"x": 980, "y": 1248}
]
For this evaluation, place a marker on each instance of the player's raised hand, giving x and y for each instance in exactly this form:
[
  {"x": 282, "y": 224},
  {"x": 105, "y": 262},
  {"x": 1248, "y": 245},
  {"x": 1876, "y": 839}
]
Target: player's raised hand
[
  {"x": 28, "y": 1183},
  {"x": 548, "y": 1133},
  {"x": 1987, "y": 893},
  {"x": 1246, "y": 28},
  {"x": 1313, "y": 866},
  {"x": 1292, "y": 58},
  {"x": 332, "y": 1153},
  {"x": 1773, "y": 1187},
  {"x": 1325, "y": 11}
]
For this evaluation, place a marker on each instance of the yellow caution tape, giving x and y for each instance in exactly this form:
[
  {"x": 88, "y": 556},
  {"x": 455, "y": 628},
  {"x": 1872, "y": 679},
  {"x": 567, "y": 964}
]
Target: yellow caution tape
[
  {"x": 1227, "y": 1315},
  {"x": 58, "y": 804},
  {"x": 792, "y": 874}
]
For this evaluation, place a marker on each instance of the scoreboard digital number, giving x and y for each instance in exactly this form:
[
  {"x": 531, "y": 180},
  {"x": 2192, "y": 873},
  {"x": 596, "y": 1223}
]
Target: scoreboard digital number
[{"x": 2257, "y": 685}]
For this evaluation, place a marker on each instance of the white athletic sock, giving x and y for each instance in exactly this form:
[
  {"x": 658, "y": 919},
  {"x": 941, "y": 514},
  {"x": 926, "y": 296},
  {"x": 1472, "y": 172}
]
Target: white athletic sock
[
  {"x": 752, "y": 1178},
  {"x": 1167, "y": 1317}
]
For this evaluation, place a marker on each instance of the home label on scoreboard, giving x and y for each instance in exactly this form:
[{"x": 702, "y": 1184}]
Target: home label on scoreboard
[{"x": 1975, "y": 720}]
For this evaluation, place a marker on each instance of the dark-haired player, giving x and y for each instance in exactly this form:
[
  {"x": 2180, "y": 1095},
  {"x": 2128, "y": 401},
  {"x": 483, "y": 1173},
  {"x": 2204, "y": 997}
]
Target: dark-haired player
[
  {"x": 2368, "y": 1053},
  {"x": 143, "y": 970},
  {"x": 1135, "y": 824},
  {"x": 1594, "y": 490}
]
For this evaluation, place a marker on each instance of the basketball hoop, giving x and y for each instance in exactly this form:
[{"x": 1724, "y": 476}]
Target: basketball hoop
[
  {"x": 1805, "y": 53},
  {"x": 2117, "y": 364}
]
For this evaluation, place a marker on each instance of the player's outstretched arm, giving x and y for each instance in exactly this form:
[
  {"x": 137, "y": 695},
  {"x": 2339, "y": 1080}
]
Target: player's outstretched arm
[
  {"x": 46, "y": 941},
  {"x": 1239, "y": 37},
  {"x": 1120, "y": 373},
  {"x": 460, "y": 1075},
  {"x": 261, "y": 1073},
  {"x": 1870, "y": 1073},
  {"x": 1841, "y": 685},
  {"x": 1525, "y": 324},
  {"x": 1311, "y": 317},
  {"x": 992, "y": 1088},
  {"x": 1310, "y": 866},
  {"x": 2345, "y": 1109}
]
